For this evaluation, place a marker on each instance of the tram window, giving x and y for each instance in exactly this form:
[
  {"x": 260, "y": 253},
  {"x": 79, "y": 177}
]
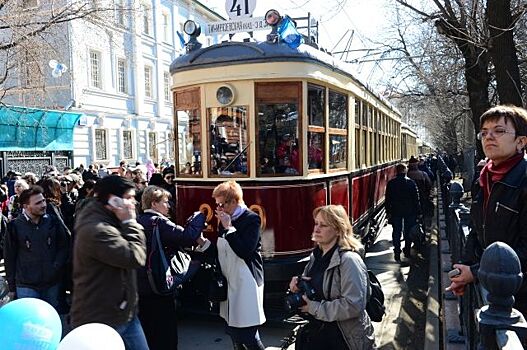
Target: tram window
[
  {"x": 364, "y": 115},
  {"x": 228, "y": 136},
  {"x": 315, "y": 152},
  {"x": 338, "y": 110},
  {"x": 189, "y": 135},
  {"x": 357, "y": 111},
  {"x": 316, "y": 105},
  {"x": 338, "y": 151},
  {"x": 278, "y": 148}
]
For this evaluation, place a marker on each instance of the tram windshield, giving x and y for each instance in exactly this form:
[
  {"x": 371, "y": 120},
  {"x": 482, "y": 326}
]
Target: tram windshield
[{"x": 228, "y": 140}]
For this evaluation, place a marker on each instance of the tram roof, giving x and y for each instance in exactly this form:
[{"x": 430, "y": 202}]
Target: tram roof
[{"x": 233, "y": 53}]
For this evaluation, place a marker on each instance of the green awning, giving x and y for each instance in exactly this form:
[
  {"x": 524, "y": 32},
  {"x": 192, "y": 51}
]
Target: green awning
[{"x": 32, "y": 129}]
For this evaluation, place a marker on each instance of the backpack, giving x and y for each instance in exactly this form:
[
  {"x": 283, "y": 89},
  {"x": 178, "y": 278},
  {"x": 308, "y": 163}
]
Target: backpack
[
  {"x": 165, "y": 275},
  {"x": 375, "y": 306}
]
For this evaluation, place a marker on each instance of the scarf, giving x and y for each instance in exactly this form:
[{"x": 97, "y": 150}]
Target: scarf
[
  {"x": 491, "y": 173},
  {"x": 240, "y": 209}
]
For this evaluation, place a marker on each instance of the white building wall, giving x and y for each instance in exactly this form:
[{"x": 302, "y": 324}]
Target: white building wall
[{"x": 131, "y": 111}]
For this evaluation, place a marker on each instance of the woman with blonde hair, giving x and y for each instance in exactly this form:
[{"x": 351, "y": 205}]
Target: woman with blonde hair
[
  {"x": 337, "y": 274},
  {"x": 241, "y": 263}
]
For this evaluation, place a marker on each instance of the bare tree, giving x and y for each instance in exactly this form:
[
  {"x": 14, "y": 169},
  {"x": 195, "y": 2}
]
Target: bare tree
[
  {"x": 502, "y": 49},
  {"x": 33, "y": 32}
]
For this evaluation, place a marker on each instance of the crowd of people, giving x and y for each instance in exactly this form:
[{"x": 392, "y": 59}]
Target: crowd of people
[{"x": 90, "y": 232}]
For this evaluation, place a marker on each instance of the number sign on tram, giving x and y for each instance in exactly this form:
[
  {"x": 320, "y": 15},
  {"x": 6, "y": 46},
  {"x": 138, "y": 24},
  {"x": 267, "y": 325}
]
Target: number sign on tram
[{"x": 240, "y": 8}]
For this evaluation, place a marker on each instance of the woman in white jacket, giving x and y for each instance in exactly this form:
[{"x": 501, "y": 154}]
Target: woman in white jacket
[{"x": 241, "y": 263}]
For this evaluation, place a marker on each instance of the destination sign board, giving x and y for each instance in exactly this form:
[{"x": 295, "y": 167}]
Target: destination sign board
[{"x": 237, "y": 26}]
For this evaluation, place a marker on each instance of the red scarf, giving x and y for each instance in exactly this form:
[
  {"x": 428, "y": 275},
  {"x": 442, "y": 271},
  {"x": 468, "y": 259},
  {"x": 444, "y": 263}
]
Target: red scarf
[{"x": 491, "y": 173}]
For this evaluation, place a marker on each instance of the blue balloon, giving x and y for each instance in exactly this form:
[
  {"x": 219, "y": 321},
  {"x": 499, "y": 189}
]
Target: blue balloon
[{"x": 29, "y": 323}]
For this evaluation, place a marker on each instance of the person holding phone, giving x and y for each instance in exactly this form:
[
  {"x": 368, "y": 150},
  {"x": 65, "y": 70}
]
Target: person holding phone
[
  {"x": 109, "y": 247},
  {"x": 499, "y": 206},
  {"x": 239, "y": 247}
]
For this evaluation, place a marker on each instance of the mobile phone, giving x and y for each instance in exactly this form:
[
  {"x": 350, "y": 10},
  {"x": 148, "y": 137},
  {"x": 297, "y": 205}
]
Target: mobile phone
[
  {"x": 116, "y": 202},
  {"x": 454, "y": 273}
]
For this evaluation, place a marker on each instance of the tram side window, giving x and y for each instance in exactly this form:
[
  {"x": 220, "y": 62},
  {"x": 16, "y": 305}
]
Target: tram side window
[
  {"x": 338, "y": 135},
  {"x": 228, "y": 140},
  {"x": 278, "y": 140},
  {"x": 190, "y": 142},
  {"x": 316, "y": 111}
]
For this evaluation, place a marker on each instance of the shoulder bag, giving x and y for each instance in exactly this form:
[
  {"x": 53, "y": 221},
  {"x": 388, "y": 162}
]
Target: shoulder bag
[{"x": 164, "y": 275}]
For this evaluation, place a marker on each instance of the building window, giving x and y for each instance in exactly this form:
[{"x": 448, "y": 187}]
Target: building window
[
  {"x": 166, "y": 85},
  {"x": 95, "y": 69},
  {"x": 152, "y": 145},
  {"x": 147, "y": 19},
  {"x": 121, "y": 76},
  {"x": 28, "y": 4},
  {"x": 128, "y": 148},
  {"x": 101, "y": 145},
  {"x": 120, "y": 12},
  {"x": 31, "y": 72},
  {"x": 148, "y": 82},
  {"x": 166, "y": 27}
]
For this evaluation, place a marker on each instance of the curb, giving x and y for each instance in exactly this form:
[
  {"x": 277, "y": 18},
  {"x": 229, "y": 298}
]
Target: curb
[{"x": 433, "y": 311}]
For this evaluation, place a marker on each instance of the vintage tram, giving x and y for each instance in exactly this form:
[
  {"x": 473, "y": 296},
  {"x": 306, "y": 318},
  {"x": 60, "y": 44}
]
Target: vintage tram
[{"x": 295, "y": 128}]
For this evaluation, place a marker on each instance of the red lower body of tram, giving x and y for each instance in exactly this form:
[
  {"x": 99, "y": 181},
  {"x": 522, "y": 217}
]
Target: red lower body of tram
[{"x": 285, "y": 209}]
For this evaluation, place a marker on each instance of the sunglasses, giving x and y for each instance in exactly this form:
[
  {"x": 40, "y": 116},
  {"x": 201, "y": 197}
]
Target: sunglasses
[
  {"x": 169, "y": 177},
  {"x": 220, "y": 205}
]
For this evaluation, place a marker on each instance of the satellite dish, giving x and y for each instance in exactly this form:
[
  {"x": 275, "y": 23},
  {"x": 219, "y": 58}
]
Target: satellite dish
[{"x": 58, "y": 68}]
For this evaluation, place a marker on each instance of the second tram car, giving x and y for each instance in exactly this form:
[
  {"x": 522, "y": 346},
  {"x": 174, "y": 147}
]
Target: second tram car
[{"x": 295, "y": 128}]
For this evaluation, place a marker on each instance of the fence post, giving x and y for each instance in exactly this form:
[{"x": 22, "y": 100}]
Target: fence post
[{"x": 500, "y": 274}]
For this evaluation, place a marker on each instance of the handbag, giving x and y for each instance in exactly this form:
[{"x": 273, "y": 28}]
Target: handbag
[
  {"x": 375, "y": 305},
  {"x": 416, "y": 233},
  {"x": 217, "y": 290},
  {"x": 165, "y": 276}
]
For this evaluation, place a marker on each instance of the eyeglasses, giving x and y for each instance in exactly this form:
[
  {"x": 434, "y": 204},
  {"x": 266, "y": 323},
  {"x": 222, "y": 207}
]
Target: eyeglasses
[{"x": 497, "y": 133}]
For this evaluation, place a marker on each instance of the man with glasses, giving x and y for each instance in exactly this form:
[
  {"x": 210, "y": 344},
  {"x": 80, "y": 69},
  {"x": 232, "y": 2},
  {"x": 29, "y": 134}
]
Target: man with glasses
[{"x": 499, "y": 207}]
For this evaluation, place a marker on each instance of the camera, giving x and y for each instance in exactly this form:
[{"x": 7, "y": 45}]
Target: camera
[{"x": 293, "y": 301}]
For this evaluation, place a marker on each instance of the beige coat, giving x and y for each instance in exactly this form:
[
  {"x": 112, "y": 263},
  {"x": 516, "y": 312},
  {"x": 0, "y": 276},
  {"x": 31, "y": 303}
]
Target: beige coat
[{"x": 347, "y": 302}]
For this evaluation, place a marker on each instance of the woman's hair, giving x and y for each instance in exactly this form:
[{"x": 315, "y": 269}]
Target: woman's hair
[
  {"x": 51, "y": 188},
  {"x": 153, "y": 194},
  {"x": 517, "y": 116},
  {"x": 230, "y": 191},
  {"x": 337, "y": 218},
  {"x": 23, "y": 183}
]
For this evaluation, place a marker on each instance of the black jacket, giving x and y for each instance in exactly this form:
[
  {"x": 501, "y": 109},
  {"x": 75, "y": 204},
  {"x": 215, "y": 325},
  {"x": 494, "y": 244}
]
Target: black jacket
[
  {"x": 35, "y": 255},
  {"x": 246, "y": 243},
  {"x": 505, "y": 220},
  {"x": 172, "y": 237},
  {"x": 402, "y": 196}
]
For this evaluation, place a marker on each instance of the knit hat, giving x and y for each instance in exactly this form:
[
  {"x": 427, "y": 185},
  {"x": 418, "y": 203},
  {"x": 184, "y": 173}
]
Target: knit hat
[{"x": 168, "y": 170}]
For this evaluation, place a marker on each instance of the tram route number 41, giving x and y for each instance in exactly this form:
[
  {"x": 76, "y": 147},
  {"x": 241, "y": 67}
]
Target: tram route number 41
[{"x": 240, "y": 8}]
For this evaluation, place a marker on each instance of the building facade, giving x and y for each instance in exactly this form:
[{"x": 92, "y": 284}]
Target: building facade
[{"x": 118, "y": 77}]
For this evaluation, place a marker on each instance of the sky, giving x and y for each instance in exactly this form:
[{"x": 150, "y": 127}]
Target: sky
[{"x": 338, "y": 19}]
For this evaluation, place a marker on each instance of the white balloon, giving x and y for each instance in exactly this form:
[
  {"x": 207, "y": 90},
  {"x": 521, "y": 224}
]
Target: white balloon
[
  {"x": 55, "y": 73},
  {"x": 53, "y": 63},
  {"x": 92, "y": 336}
]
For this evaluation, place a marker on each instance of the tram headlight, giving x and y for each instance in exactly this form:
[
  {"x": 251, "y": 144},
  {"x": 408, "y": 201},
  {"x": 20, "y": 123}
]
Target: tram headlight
[
  {"x": 225, "y": 95},
  {"x": 191, "y": 28}
]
